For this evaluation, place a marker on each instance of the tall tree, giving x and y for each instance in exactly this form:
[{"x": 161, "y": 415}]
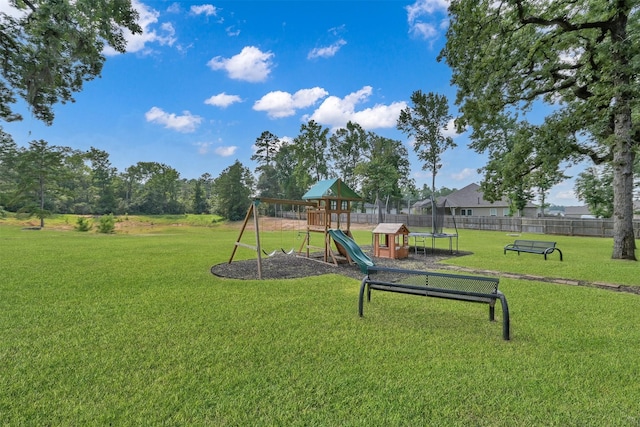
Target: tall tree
[
  {"x": 425, "y": 122},
  {"x": 74, "y": 190},
  {"x": 152, "y": 188},
  {"x": 128, "y": 186},
  {"x": 507, "y": 55},
  {"x": 50, "y": 48},
  {"x": 199, "y": 199},
  {"x": 8, "y": 172},
  {"x": 161, "y": 184},
  {"x": 292, "y": 180},
  {"x": 311, "y": 146},
  {"x": 594, "y": 187},
  {"x": 102, "y": 177},
  {"x": 346, "y": 149},
  {"x": 520, "y": 164},
  {"x": 266, "y": 147},
  {"x": 268, "y": 184},
  {"x": 385, "y": 171},
  {"x": 233, "y": 189},
  {"x": 40, "y": 167}
]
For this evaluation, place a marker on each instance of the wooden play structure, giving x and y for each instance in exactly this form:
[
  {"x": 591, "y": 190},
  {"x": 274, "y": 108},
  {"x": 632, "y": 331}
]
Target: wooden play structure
[
  {"x": 391, "y": 240},
  {"x": 332, "y": 211},
  {"x": 328, "y": 210}
]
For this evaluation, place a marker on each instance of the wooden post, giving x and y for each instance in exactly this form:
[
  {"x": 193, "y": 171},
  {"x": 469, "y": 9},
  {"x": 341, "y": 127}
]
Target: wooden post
[
  {"x": 244, "y": 225},
  {"x": 258, "y": 249}
]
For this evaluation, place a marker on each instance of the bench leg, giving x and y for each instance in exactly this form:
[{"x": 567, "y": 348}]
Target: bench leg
[
  {"x": 506, "y": 333},
  {"x": 361, "y": 296}
]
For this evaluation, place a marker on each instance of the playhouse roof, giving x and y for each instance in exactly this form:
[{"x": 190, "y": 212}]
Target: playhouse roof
[
  {"x": 391, "y": 228},
  {"x": 331, "y": 189}
]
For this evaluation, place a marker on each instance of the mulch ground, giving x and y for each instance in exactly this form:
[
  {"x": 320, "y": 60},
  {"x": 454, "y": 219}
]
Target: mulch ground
[{"x": 283, "y": 266}]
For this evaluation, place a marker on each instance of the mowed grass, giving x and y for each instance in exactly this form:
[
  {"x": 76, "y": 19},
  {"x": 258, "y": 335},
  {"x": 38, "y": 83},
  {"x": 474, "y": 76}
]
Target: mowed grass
[
  {"x": 134, "y": 330},
  {"x": 584, "y": 258}
]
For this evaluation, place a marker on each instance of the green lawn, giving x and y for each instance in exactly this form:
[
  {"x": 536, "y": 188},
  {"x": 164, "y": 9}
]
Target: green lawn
[
  {"x": 132, "y": 329},
  {"x": 585, "y": 258}
]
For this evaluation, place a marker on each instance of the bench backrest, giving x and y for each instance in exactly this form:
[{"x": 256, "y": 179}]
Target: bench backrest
[
  {"x": 534, "y": 244},
  {"x": 443, "y": 281}
]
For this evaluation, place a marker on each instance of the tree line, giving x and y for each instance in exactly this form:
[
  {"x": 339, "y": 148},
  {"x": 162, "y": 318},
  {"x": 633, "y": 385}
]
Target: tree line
[{"x": 41, "y": 179}]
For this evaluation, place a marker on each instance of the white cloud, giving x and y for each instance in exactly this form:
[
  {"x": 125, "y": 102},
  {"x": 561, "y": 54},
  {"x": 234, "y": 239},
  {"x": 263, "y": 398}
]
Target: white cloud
[
  {"x": 186, "y": 123},
  {"x": 423, "y": 30},
  {"x": 425, "y": 7},
  {"x": 251, "y": 65},
  {"x": 174, "y": 8},
  {"x": 232, "y": 31},
  {"x": 564, "y": 194},
  {"x": 326, "y": 52},
  {"x": 336, "y": 112},
  {"x": 450, "y": 129},
  {"x": 147, "y": 19},
  {"x": 205, "y": 9},
  {"x": 222, "y": 100},
  {"x": 279, "y": 104},
  {"x": 422, "y": 11},
  {"x": 380, "y": 116},
  {"x": 464, "y": 174},
  {"x": 226, "y": 151}
]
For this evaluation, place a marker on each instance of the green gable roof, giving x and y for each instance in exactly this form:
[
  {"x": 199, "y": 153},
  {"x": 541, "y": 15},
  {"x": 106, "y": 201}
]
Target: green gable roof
[{"x": 331, "y": 189}]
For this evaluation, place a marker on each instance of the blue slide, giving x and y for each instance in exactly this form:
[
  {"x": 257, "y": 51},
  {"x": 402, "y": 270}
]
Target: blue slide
[{"x": 352, "y": 248}]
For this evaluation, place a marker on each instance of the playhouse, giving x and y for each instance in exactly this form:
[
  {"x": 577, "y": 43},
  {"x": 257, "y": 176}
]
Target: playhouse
[{"x": 391, "y": 240}]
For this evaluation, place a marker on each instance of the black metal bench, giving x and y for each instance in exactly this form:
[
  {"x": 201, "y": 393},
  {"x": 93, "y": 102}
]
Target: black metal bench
[
  {"x": 437, "y": 285},
  {"x": 533, "y": 247}
]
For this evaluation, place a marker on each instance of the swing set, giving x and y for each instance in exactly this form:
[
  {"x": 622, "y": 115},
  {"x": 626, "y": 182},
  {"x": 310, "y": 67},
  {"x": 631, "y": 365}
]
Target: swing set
[
  {"x": 254, "y": 213},
  {"x": 296, "y": 216}
]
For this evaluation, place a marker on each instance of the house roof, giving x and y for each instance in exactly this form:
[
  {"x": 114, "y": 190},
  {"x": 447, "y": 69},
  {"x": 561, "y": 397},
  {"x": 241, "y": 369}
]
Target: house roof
[
  {"x": 391, "y": 228},
  {"x": 331, "y": 189},
  {"x": 471, "y": 196},
  {"x": 577, "y": 210},
  {"x": 422, "y": 203}
]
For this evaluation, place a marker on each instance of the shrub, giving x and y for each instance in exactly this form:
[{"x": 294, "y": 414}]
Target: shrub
[
  {"x": 107, "y": 224},
  {"x": 83, "y": 224}
]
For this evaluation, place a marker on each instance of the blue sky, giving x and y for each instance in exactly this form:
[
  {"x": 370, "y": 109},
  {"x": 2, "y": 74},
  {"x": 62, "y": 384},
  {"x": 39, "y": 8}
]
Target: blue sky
[{"x": 204, "y": 80}]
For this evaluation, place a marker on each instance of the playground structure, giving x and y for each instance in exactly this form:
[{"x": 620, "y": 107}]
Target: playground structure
[
  {"x": 333, "y": 200},
  {"x": 328, "y": 212}
]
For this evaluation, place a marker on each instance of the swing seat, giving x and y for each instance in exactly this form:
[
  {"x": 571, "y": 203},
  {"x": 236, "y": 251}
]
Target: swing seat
[{"x": 291, "y": 251}]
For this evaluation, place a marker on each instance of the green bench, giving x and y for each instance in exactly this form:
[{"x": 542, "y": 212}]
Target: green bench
[
  {"x": 436, "y": 285},
  {"x": 533, "y": 247}
]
